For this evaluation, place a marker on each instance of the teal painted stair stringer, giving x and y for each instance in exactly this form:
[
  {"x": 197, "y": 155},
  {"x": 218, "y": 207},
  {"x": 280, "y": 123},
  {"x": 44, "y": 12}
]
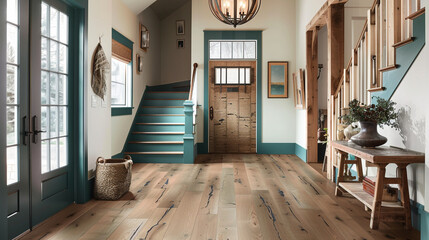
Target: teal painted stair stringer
[
  {"x": 157, "y": 132},
  {"x": 405, "y": 57}
]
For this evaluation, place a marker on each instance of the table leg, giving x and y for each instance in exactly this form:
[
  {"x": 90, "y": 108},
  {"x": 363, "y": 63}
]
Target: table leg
[
  {"x": 340, "y": 175},
  {"x": 359, "y": 169},
  {"x": 405, "y": 196},
  {"x": 378, "y": 196}
]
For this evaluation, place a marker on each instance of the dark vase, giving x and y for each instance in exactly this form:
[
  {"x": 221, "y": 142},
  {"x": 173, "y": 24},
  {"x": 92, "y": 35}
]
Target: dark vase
[{"x": 368, "y": 136}]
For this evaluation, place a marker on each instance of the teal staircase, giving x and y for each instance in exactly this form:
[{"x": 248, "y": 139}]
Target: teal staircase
[{"x": 156, "y": 135}]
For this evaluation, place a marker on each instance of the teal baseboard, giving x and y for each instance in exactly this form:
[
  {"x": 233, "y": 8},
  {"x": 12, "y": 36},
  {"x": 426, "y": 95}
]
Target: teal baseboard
[
  {"x": 424, "y": 223},
  {"x": 276, "y": 148},
  {"x": 301, "y": 152}
]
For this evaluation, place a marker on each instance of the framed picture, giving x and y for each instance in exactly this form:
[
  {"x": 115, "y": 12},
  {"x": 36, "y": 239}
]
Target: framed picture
[
  {"x": 299, "y": 89},
  {"x": 180, "y": 27},
  {"x": 180, "y": 43},
  {"x": 277, "y": 79},
  {"x": 139, "y": 64},
  {"x": 144, "y": 37}
]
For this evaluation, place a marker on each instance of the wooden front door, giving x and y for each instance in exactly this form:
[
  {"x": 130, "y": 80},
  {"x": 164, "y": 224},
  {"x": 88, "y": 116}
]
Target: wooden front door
[{"x": 232, "y": 110}]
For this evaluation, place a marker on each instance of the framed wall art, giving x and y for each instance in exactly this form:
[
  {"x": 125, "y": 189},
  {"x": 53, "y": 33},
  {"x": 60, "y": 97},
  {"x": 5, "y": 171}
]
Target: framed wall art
[
  {"x": 299, "y": 89},
  {"x": 180, "y": 27},
  {"x": 277, "y": 79},
  {"x": 139, "y": 64}
]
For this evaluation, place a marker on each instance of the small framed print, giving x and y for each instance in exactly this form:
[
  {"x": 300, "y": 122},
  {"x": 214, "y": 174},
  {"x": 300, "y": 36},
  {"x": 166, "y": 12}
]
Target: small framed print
[
  {"x": 139, "y": 64},
  {"x": 277, "y": 79},
  {"x": 180, "y": 43},
  {"x": 180, "y": 27},
  {"x": 299, "y": 89}
]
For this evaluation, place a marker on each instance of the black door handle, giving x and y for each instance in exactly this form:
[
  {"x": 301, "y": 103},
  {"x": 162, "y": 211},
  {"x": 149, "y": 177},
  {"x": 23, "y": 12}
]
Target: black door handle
[
  {"x": 211, "y": 113},
  {"x": 35, "y": 129},
  {"x": 27, "y": 133}
]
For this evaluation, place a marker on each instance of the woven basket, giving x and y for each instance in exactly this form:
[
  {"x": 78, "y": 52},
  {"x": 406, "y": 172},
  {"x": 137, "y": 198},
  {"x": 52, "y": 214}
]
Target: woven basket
[{"x": 112, "y": 178}]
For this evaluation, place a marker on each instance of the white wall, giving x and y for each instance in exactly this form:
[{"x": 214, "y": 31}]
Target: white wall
[
  {"x": 305, "y": 10},
  {"x": 176, "y": 62},
  {"x": 276, "y": 19},
  {"x": 127, "y": 23},
  {"x": 98, "y": 117}
]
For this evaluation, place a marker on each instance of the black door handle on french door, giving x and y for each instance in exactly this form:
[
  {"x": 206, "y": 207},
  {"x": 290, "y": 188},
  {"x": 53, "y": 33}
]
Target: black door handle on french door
[
  {"x": 27, "y": 133},
  {"x": 211, "y": 113},
  {"x": 35, "y": 129}
]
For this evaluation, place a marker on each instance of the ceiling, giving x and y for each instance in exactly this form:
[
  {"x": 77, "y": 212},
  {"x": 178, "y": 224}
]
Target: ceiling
[
  {"x": 137, "y": 6},
  {"x": 162, "y": 8}
]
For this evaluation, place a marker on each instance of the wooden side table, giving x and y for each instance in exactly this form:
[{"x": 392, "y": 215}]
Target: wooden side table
[{"x": 381, "y": 157}]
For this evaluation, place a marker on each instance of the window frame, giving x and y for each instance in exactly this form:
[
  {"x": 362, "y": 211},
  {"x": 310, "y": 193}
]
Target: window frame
[{"x": 121, "y": 110}]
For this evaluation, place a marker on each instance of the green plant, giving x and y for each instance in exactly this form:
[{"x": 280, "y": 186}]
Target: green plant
[{"x": 382, "y": 113}]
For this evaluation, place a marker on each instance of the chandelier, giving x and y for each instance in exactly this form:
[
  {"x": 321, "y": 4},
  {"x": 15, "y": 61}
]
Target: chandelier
[{"x": 234, "y": 12}]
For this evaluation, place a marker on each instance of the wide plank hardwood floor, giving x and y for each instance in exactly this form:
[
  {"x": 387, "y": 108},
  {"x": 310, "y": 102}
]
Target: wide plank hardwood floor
[{"x": 223, "y": 196}]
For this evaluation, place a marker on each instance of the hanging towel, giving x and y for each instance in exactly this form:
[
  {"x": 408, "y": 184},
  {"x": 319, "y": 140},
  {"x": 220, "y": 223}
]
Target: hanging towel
[{"x": 100, "y": 67}]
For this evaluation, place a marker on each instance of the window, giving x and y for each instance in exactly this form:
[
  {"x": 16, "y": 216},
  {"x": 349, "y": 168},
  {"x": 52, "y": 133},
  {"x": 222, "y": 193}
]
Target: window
[
  {"x": 232, "y": 49},
  {"x": 121, "y": 75},
  {"x": 232, "y": 75}
]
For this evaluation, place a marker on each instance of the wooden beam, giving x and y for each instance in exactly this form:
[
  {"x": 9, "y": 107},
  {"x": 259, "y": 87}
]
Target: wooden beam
[
  {"x": 335, "y": 45},
  {"x": 312, "y": 95},
  {"x": 320, "y": 18}
]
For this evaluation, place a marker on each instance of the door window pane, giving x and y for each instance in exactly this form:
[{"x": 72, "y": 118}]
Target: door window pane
[
  {"x": 226, "y": 50},
  {"x": 45, "y": 156},
  {"x": 44, "y": 122},
  {"x": 62, "y": 121},
  {"x": 238, "y": 50},
  {"x": 54, "y": 154},
  {"x": 63, "y": 59},
  {"x": 63, "y": 152},
  {"x": 214, "y": 50},
  {"x": 53, "y": 56},
  {"x": 53, "y": 122},
  {"x": 225, "y": 75},
  {"x": 12, "y": 165},
  {"x": 64, "y": 28},
  {"x": 12, "y": 84},
  {"x": 12, "y": 44},
  {"x": 45, "y": 56},
  {"x": 250, "y": 50},
  {"x": 12, "y": 11},
  {"x": 44, "y": 88},
  {"x": 45, "y": 19},
  {"x": 62, "y": 90},
  {"x": 53, "y": 22},
  {"x": 12, "y": 125},
  {"x": 53, "y": 88}
]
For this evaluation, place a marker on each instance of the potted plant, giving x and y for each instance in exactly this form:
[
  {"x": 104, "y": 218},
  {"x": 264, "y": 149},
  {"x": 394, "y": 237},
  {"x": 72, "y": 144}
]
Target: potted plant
[{"x": 369, "y": 116}]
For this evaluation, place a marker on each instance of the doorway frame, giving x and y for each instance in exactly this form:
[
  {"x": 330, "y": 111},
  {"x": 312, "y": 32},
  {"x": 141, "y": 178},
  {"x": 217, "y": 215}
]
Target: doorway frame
[
  {"x": 203, "y": 148},
  {"x": 82, "y": 190},
  {"x": 332, "y": 15}
]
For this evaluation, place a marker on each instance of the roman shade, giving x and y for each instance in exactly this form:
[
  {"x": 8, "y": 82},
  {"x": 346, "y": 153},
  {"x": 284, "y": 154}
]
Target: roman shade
[{"x": 121, "y": 51}]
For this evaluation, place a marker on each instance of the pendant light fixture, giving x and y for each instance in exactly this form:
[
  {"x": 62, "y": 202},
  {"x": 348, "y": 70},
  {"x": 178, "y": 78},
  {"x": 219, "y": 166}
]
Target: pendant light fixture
[{"x": 234, "y": 12}]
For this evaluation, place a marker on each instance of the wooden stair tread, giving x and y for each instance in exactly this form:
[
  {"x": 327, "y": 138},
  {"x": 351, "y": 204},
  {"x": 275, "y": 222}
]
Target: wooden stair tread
[
  {"x": 154, "y": 153},
  {"x": 166, "y": 99},
  {"x": 161, "y": 115},
  {"x": 403, "y": 43},
  {"x": 162, "y": 107},
  {"x": 156, "y": 142},
  {"x": 162, "y": 124},
  {"x": 416, "y": 14},
  {"x": 388, "y": 68},
  {"x": 376, "y": 89},
  {"x": 168, "y": 91},
  {"x": 159, "y": 133}
]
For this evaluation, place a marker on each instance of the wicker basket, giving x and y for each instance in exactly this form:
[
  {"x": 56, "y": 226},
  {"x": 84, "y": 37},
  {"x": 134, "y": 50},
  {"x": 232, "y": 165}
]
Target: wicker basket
[{"x": 112, "y": 178}]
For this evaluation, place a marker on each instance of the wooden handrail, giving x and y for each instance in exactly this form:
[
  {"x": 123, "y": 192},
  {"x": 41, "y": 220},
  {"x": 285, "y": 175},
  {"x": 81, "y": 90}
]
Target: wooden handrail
[{"x": 193, "y": 81}]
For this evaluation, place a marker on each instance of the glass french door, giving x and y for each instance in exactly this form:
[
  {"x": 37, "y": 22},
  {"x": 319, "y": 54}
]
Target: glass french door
[{"x": 39, "y": 110}]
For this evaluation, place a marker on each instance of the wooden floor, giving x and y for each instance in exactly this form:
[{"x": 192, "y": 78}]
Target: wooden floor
[{"x": 222, "y": 197}]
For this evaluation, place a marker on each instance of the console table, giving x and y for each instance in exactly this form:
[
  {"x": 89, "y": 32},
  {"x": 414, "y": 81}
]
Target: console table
[{"x": 380, "y": 157}]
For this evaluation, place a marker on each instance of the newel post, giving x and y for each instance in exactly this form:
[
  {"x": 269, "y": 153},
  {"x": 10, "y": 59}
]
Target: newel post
[{"x": 188, "y": 138}]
